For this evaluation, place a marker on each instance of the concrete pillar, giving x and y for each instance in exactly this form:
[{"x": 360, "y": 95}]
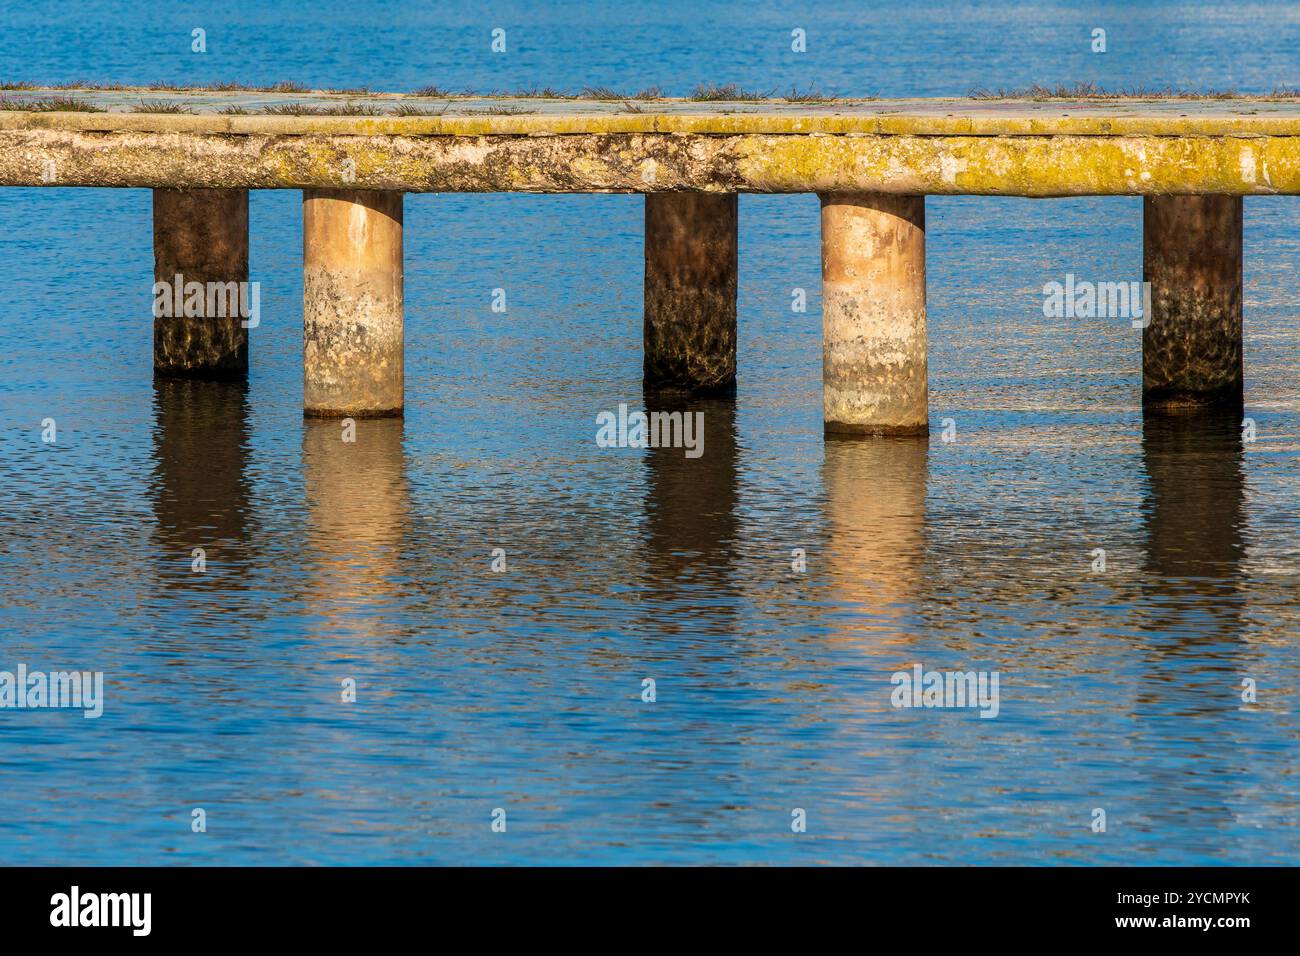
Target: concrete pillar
[
  {"x": 200, "y": 235},
  {"x": 352, "y": 303},
  {"x": 874, "y": 371},
  {"x": 1191, "y": 255},
  {"x": 690, "y": 292}
]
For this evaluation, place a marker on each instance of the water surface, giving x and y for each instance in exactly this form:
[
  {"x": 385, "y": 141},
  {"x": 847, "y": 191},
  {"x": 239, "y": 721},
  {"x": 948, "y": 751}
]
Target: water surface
[{"x": 522, "y": 690}]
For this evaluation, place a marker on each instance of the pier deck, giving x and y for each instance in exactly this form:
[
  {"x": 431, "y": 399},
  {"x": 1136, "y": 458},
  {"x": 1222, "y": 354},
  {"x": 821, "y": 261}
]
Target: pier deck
[
  {"x": 871, "y": 161},
  {"x": 489, "y": 144}
]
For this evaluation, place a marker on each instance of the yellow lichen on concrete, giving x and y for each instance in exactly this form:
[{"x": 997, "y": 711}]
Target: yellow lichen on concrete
[
  {"x": 1047, "y": 165},
  {"x": 1022, "y": 165}
]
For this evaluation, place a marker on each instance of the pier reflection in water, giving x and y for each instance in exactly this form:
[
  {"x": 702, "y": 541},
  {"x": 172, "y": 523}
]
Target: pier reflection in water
[
  {"x": 522, "y": 689},
  {"x": 1195, "y": 647},
  {"x": 358, "y": 510},
  {"x": 1195, "y": 518},
  {"x": 1195, "y": 509},
  {"x": 200, "y": 484},
  {"x": 691, "y": 525},
  {"x": 875, "y": 525}
]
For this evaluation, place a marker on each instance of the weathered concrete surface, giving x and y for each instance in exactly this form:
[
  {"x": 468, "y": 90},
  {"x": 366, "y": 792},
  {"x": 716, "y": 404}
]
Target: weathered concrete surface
[
  {"x": 874, "y": 362},
  {"x": 690, "y": 292},
  {"x": 1191, "y": 255},
  {"x": 352, "y": 304},
  {"x": 1064, "y": 148},
  {"x": 202, "y": 236}
]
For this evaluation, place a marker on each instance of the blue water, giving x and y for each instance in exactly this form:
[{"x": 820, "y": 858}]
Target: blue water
[{"x": 521, "y": 690}]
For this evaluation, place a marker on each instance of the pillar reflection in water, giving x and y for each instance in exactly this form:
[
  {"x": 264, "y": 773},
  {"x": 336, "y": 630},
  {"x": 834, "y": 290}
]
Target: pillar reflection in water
[
  {"x": 1193, "y": 650},
  {"x": 200, "y": 488},
  {"x": 357, "y": 510},
  {"x": 875, "y": 524},
  {"x": 691, "y": 523},
  {"x": 1195, "y": 517}
]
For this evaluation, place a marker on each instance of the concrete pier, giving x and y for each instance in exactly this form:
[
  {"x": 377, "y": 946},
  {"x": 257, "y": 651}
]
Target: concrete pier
[
  {"x": 690, "y": 292},
  {"x": 408, "y": 143},
  {"x": 1191, "y": 255},
  {"x": 200, "y": 235},
  {"x": 872, "y": 162},
  {"x": 874, "y": 364},
  {"x": 352, "y": 303}
]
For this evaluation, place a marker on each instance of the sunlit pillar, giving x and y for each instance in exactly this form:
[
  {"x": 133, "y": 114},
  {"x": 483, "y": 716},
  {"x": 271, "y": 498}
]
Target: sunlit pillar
[
  {"x": 352, "y": 303},
  {"x": 874, "y": 365}
]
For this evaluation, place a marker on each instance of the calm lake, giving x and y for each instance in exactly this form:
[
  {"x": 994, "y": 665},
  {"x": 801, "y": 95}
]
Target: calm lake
[{"x": 522, "y": 689}]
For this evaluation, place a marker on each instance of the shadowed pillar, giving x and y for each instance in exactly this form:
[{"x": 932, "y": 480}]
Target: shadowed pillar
[
  {"x": 690, "y": 292},
  {"x": 1191, "y": 255},
  {"x": 874, "y": 372},
  {"x": 352, "y": 303},
  {"x": 200, "y": 235}
]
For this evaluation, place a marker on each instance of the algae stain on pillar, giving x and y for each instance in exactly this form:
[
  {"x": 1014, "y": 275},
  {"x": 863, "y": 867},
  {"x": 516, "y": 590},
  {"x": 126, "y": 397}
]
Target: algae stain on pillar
[
  {"x": 352, "y": 303},
  {"x": 875, "y": 371},
  {"x": 690, "y": 292}
]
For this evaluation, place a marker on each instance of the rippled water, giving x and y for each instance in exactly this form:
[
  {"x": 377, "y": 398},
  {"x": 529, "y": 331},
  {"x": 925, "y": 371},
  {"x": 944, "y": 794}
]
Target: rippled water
[{"x": 522, "y": 690}]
